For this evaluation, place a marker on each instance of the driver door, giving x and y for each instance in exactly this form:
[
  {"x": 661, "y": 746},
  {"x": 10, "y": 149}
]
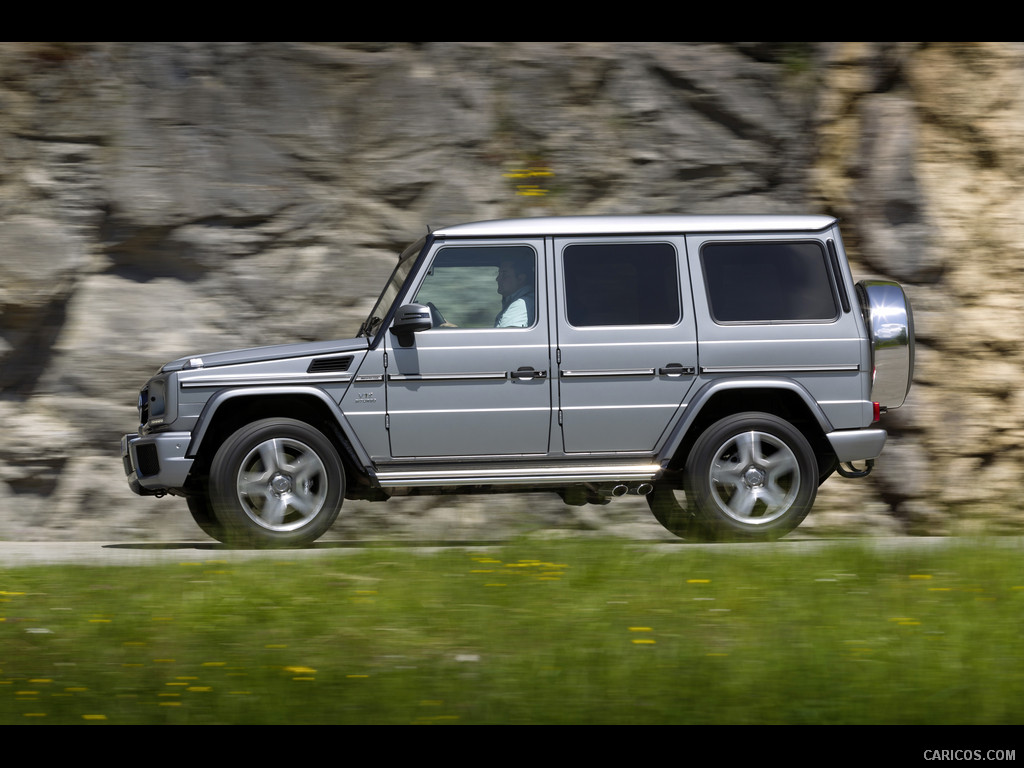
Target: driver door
[{"x": 467, "y": 388}]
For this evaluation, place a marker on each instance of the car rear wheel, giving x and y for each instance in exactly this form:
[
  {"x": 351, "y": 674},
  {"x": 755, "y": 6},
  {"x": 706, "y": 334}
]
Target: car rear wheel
[
  {"x": 668, "y": 505},
  {"x": 751, "y": 476}
]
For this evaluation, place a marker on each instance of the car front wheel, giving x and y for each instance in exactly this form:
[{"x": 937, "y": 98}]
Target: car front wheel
[
  {"x": 276, "y": 482},
  {"x": 202, "y": 513}
]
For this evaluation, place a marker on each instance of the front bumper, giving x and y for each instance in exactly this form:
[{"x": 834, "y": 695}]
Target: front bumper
[{"x": 156, "y": 464}]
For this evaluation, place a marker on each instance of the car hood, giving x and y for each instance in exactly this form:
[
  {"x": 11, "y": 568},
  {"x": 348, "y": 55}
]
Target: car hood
[{"x": 258, "y": 354}]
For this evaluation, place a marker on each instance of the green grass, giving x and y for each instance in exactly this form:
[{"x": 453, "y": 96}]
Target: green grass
[{"x": 531, "y": 632}]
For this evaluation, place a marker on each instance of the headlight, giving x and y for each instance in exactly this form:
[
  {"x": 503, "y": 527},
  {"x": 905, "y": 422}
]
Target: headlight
[
  {"x": 155, "y": 403},
  {"x": 157, "y": 400}
]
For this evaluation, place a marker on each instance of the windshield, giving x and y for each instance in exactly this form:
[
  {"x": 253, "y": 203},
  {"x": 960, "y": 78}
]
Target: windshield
[{"x": 391, "y": 290}]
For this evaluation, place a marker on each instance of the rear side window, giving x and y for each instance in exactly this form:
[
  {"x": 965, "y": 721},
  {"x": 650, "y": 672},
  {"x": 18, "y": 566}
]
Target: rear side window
[
  {"x": 621, "y": 284},
  {"x": 771, "y": 281}
]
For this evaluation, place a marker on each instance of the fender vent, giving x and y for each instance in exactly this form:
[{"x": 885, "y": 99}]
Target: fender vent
[{"x": 330, "y": 364}]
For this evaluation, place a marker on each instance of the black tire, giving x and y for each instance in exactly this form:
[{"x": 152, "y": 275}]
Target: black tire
[
  {"x": 202, "y": 513},
  {"x": 668, "y": 505},
  {"x": 751, "y": 476},
  {"x": 276, "y": 483}
]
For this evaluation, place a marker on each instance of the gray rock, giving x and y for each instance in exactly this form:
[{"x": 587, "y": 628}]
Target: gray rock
[{"x": 164, "y": 199}]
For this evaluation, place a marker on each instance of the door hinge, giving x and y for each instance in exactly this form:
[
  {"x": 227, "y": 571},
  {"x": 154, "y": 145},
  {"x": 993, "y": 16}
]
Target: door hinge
[
  {"x": 387, "y": 421},
  {"x": 559, "y": 418},
  {"x": 558, "y": 356},
  {"x": 385, "y": 359}
]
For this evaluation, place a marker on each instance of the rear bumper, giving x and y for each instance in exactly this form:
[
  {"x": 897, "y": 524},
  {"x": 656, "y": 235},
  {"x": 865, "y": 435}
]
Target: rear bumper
[
  {"x": 156, "y": 464},
  {"x": 857, "y": 444}
]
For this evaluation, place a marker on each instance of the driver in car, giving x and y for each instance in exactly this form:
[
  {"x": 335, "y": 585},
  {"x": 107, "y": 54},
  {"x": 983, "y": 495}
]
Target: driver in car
[
  {"x": 518, "y": 302},
  {"x": 515, "y": 284}
]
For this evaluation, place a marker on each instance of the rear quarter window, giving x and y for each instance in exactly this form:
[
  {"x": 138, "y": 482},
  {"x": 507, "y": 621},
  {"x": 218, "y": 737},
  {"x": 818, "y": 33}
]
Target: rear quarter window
[{"x": 764, "y": 282}]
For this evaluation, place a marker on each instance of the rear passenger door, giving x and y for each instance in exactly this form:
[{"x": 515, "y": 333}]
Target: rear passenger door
[{"x": 626, "y": 347}]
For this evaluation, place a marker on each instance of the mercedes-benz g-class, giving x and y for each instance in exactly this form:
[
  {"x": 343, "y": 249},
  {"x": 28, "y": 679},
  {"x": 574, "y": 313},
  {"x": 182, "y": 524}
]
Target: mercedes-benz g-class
[{"x": 723, "y": 366}]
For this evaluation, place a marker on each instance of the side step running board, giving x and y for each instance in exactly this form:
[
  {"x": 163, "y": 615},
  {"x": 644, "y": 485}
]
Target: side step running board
[{"x": 522, "y": 476}]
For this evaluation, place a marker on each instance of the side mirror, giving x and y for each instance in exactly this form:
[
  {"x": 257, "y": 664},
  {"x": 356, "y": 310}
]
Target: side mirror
[{"x": 410, "y": 319}]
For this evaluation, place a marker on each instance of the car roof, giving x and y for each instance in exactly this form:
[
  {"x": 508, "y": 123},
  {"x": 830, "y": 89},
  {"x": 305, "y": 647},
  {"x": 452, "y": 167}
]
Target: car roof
[{"x": 637, "y": 225}]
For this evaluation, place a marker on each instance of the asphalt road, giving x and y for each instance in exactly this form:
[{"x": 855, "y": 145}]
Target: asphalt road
[
  {"x": 22, "y": 553},
  {"x": 28, "y": 553}
]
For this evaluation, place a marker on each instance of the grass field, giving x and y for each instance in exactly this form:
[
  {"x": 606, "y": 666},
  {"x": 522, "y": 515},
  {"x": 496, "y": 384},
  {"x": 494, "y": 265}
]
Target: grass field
[{"x": 580, "y": 631}]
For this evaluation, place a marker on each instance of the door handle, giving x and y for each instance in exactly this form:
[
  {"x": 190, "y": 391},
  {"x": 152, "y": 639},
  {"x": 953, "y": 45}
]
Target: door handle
[
  {"x": 526, "y": 372},
  {"x": 677, "y": 369}
]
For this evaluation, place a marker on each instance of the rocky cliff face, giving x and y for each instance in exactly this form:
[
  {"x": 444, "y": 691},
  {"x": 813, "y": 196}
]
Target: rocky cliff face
[{"x": 158, "y": 200}]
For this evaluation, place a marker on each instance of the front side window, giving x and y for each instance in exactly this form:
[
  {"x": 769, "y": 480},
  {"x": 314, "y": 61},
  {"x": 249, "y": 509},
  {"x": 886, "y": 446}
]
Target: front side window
[
  {"x": 621, "y": 284},
  {"x": 482, "y": 287},
  {"x": 768, "y": 282}
]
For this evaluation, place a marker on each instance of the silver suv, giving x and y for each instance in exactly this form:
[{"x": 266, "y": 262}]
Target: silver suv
[{"x": 722, "y": 366}]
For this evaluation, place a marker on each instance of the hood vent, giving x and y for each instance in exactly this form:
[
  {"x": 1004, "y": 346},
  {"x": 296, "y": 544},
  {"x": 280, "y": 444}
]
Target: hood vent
[{"x": 330, "y": 364}]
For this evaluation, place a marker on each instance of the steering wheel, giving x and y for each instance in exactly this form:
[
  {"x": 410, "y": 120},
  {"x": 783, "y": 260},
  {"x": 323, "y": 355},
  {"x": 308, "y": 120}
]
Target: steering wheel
[{"x": 435, "y": 315}]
